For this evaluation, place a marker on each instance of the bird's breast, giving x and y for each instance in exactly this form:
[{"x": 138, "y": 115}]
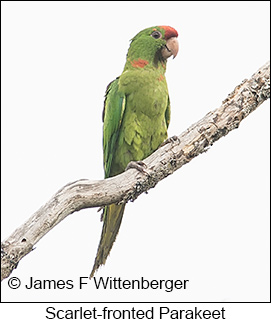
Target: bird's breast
[
  {"x": 143, "y": 126},
  {"x": 146, "y": 92}
]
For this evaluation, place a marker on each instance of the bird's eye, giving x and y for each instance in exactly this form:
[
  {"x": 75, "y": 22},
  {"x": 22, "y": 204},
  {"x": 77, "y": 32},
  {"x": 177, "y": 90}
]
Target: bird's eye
[{"x": 156, "y": 34}]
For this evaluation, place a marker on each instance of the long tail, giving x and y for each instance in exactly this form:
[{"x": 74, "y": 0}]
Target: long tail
[{"x": 112, "y": 221}]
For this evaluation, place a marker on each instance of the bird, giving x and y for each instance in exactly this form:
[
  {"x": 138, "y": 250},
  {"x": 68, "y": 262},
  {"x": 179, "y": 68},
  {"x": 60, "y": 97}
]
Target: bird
[{"x": 136, "y": 116}]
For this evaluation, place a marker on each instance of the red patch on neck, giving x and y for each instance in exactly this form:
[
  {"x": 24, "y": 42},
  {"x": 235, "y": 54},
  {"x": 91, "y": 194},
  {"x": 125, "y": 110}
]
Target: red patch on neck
[
  {"x": 161, "y": 77},
  {"x": 139, "y": 63},
  {"x": 169, "y": 32}
]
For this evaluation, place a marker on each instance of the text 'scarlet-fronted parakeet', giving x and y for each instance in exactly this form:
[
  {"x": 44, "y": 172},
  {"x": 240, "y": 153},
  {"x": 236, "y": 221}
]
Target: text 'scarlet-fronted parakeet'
[{"x": 136, "y": 116}]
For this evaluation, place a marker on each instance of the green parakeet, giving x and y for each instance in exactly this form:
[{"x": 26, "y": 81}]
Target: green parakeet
[{"x": 136, "y": 116}]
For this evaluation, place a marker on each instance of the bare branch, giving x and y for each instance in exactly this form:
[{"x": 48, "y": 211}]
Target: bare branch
[{"x": 127, "y": 186}]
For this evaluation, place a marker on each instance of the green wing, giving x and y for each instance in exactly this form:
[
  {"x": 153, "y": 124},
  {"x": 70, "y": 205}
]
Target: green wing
[
  {"x": 167, "y": 113},
  {"x": 114, "y": 106}
]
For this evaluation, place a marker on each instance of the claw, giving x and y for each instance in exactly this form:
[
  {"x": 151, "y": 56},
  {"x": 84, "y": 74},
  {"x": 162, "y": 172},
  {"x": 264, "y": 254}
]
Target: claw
[
  {"x": 139, "y": 165},
  {"x": 170, "y": 140}
]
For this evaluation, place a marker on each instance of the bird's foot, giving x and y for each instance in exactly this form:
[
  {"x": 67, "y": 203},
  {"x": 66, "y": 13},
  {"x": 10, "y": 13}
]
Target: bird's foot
[
  {"x": 171, "y": 140},
  {"x": 139, "y": 165}
]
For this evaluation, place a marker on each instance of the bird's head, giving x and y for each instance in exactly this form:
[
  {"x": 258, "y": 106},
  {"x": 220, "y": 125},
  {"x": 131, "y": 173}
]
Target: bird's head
[{"x": 152, "y": 45}]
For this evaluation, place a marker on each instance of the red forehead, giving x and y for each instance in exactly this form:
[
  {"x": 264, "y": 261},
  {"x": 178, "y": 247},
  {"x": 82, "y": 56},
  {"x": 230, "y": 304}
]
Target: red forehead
[{"x": 169, "y": 31}]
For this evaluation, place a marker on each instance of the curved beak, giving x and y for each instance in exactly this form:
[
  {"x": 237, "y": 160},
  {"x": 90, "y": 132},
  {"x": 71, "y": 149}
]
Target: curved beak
[{"x": 171, "y": 48}]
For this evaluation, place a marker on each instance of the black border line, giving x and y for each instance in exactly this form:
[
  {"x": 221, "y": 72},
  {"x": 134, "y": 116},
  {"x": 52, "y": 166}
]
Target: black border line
[
  {"x": 156, "y": 302},
  {"x": 134, "y": 303}
]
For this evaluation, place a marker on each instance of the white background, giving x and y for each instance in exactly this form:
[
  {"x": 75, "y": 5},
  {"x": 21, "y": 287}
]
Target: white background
[{"x": 209, "y": 221}]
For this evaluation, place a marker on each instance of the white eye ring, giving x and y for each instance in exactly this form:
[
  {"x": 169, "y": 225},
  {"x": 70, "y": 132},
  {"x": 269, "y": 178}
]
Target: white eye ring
[{"x": 156, "y": 34}]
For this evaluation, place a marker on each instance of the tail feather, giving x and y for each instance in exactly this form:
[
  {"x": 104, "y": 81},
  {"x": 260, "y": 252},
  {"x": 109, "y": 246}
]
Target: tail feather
[{"x": 112, "y": 221}]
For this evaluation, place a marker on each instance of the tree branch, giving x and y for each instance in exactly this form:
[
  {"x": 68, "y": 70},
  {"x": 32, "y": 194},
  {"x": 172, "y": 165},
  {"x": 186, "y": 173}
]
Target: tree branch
[{"x": 127, "y": 186}]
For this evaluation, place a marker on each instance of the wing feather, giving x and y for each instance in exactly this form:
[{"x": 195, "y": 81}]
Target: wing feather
[
  {"x": 114, "y": 107},
  {"x": 167, "y": 114}
]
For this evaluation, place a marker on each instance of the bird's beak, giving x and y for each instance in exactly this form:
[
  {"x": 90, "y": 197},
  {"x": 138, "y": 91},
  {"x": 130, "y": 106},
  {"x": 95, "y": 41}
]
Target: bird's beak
[{"x": 171, "y": 48}]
